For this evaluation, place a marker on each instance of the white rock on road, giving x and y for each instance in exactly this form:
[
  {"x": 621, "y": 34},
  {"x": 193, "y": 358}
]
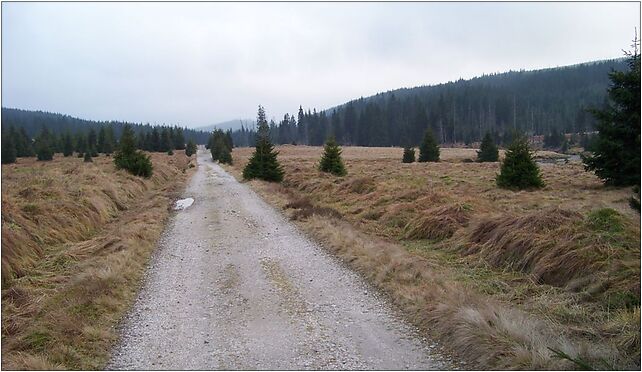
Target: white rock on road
[{"x": 234, "y": 285}]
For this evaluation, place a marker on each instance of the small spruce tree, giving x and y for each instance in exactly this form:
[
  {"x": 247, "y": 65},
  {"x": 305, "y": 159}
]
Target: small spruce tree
[
  {"x": 190, "y": 149},
  {"x": 408, "y": 155},
  {"x": 88, "y": 157},
  {"x": 487, "y": 150},
  {"x": 67, "y": 145},
  {"x": 9, "y": 152},
  {"x": 616, "y": 150},
  {"x": 519, "y": 170},
  {"x": 331, "y": 161},
  {"x": 170, "y": 152},
  {"x": 428, "y": 150},
  {"x": 44, "y": 150},
  {"x": 263, "y": 164},
  {"x": 130, "y": 159}
]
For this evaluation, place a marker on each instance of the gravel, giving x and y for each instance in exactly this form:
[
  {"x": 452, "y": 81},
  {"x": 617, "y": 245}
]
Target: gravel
[{"x": 234, "y": 285}]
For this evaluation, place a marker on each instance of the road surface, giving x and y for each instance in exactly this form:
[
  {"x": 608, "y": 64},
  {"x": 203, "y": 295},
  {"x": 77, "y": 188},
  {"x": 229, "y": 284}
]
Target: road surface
[{"x": 235, "y": 285}]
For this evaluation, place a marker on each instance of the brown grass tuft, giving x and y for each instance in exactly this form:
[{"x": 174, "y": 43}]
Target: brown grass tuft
[{"x": 438, "y": 223}]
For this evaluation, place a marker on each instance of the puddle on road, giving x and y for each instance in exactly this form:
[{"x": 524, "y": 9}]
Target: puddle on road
[{"x": 183, "y": 204}]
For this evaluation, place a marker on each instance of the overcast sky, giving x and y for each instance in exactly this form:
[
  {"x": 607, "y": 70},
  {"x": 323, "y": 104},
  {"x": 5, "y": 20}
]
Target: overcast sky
[{"x": 201, "y": 63}]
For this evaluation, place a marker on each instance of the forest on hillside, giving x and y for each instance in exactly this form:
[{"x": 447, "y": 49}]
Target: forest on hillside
[
  {"x": 32, "y": 123},
  {"x": 541, "y": 102}
]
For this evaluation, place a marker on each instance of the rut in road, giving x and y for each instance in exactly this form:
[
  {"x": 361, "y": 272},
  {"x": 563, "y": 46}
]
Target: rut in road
[{"x": 234, "y": 285}]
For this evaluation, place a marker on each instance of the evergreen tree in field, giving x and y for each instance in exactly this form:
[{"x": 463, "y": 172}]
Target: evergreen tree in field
[
  {"x": 88, "y": 157},
  {"x": 190, "y": 149},
  {"x": 108, "y": 146},
  {"x": 170, "y": 152},
  {"x": 220, "y": 147},
  {"x": 155, "y": 144},
  {"x": 22, "y": 142},
  {"x": 93, "y": 152},
  {"x": 263, "y": 164},
  {"x": 616, "y": 150},
  {"x": 44, "y": 150},
  {"x": 331, "y": 161},
  {"x": 428, "y": 150},
  {"x": 130, "y": 159},
  {"x": 9, "y": 152},
  {"x": 519, "y": 170},
  {"x": 488, "y": 152},
  {"x": 408, "y": 155},
  {"x": 67, "y": 145},
  {"x": 102, "y": 140}
]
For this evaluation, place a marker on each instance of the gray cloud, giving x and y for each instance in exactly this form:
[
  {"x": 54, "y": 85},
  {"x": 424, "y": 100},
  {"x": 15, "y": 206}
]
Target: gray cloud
[{"x": 202, "y": 63}]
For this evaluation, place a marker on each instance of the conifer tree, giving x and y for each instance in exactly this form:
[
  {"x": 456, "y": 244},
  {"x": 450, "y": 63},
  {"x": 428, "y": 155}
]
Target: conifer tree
[
  {"x": 331, "y": 161},
  {"x": 67, "y": 145},
  {"x": 102, "y": 140},
  {"x": 190, "y": 149},
  {"x": 519, "y": 170},
  {"x": 616, "y": 150},
  {"x": 220, "y": 147},
  {"x": 408, "y": 154},
  {"x": 9, "y": 152},
  {"x": 44, "y": 150},
  {"x": 92, "y": 140},
  {"x": 263, "y": 164},
  {"x": 179, "y": 139},
  {"x": 165, "y": 140},
  {"x": 170, "y": 152},
  {"x": 488, "y": 152},
  {"x": 130, "y": 159},
  {"x": 428, "y": 150},
  {"x": 88, "y": 157}
]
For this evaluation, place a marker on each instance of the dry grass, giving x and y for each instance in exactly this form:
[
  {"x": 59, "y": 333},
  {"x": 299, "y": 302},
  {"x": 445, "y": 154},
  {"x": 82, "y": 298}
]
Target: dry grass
[
  {"x": 75, "y": 240},
  {"x": 499, "y": 276}
]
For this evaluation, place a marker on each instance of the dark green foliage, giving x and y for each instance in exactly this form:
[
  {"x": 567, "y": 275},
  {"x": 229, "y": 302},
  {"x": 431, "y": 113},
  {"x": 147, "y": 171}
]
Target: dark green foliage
[
  {"x": 67, "y": 145},
  {"x": 9, "y": 152},
  {"x": 105, "y": 140},
  {"x": 408, "y": 155},
  {"x": 488, "y": 152},
  {"x": 220, "y": 147},
  {"x": 554, "y": 139},
  {"x": 178, "y": 139},
  {"x": 428, "y": 150},
  {"x": 616, "y": 152},
  {"x": 170, "y": 152},
  {"x": 263, "y": 164},
  {"x": 88, "y": 157},
  {"x": 331, "y": 161},
  {"x": 92, "y": 139},
  {"x": 190, "y": 149},
  {"x": 93, "y": 152},
  {"x": 165, "y": 141},
  {"x": 130, "y": 159},
  {"x": 44, "y": 149},
  {"x": 519, "y": 170},
  {"x": 634, "y": 201}
]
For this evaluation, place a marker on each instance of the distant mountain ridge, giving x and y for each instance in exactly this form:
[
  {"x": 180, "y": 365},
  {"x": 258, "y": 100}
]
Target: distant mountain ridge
[{"x": 233, "y": 125}]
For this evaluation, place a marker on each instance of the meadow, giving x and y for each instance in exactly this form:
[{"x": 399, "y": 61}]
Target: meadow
[
  {"x": 76, "y": 238},
  {"x": 542, "y": 279}
]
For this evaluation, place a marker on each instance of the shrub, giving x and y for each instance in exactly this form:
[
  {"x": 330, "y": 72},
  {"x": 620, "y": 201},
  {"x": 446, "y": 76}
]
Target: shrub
[
  {"x": 408, "y": 155},
  {"x": 88, "y": 157},
  {"x": 519, "y": 170},
  {"x": 190, "y": 149},
  {"x": 331, "y": 161}
]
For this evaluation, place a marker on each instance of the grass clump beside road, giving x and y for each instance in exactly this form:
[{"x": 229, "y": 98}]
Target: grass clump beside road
[
  {"x": 75, "y": 240},
  {"x": 505, "y": 279}
]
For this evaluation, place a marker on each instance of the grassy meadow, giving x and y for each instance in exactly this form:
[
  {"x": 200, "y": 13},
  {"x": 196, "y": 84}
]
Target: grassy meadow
[
  {"x": 545, "y": 279},
  {"x": 75, "y": 241}
]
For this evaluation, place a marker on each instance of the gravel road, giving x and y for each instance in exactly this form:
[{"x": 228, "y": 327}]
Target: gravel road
[{"x": 235, "y": 285}]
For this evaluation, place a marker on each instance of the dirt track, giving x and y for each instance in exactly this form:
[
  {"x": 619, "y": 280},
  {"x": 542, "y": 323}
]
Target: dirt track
[{"x": 234, "y": 285}]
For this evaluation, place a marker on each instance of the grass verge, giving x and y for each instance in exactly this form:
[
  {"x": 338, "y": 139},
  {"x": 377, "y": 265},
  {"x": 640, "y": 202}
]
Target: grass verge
[{"x": 75, "y": 241}]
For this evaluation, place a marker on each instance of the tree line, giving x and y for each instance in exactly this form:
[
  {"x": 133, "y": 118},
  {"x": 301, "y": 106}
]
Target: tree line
[{"x": 542, "y": 102}]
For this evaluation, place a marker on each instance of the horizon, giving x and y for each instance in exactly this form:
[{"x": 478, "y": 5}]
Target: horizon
[
  {"x": 200, "y": 64},
  {"x": 293, "y": 112}
]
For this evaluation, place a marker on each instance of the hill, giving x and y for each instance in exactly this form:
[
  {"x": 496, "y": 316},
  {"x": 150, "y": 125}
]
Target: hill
[
  {"x": 234, "y": 125},
  {"x": 33, "y": 122},
  {"x": 536, "y": 102}
]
